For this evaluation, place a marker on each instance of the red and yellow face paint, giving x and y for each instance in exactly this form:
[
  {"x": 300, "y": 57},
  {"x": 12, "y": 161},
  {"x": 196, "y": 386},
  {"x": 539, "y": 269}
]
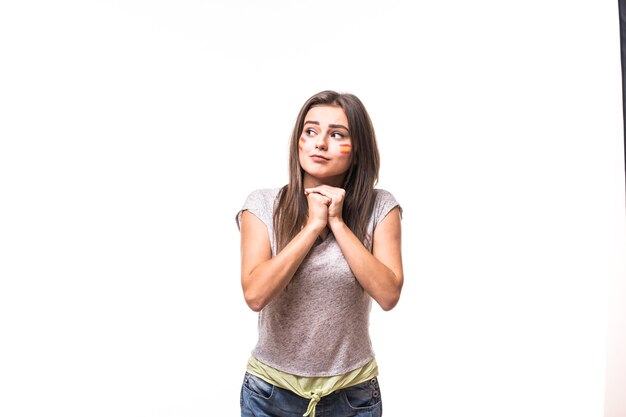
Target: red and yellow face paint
[
  {"x": 301, "y": 142},
  {"x": 345, "y": 148}
]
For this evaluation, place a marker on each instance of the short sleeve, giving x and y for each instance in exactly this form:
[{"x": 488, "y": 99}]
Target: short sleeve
[
  {"x": 385, "y": 202},
  {"x": 260, "y": 203}
]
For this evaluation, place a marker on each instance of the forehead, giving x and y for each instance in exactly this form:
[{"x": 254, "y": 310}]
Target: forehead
[{"x": 327, "y": 115}]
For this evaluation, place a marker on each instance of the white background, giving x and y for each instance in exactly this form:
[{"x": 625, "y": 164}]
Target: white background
[{"x": 132, "y": 131}]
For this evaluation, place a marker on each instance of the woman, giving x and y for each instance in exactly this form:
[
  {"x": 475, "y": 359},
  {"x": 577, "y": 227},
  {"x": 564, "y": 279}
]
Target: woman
[{"x": 314, "y": 254}]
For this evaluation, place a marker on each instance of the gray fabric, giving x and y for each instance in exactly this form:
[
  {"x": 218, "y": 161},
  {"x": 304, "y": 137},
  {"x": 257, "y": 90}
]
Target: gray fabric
[{"x": 318, "y": 325}]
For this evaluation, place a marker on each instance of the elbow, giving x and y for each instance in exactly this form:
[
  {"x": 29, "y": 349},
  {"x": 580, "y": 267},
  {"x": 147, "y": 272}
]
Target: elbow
[
  {"x": 389, "y": 303},
  {"x": 256, "y": 307},
  {"x": 253, "y": 301},
  {"x": 392, "y": 298},
  {"x": 254, "y": 294}
]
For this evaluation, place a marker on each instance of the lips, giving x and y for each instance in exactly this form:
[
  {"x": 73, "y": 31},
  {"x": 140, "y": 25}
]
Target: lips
[{"x": 319, "y": 157}]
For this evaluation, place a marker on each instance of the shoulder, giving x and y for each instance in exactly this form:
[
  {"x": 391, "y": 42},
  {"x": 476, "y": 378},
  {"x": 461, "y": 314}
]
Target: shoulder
[
  {"x": 260, "y": 203},
  {"x": 384, "y": 197},
  {"x": 384, "y": 202},
  {"x": 263, "y": 195},
  {"x": 383, "y": 194}
]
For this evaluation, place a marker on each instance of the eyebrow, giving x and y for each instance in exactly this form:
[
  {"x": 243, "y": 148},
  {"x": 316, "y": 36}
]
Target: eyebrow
[{"x": 331, "y": 125}]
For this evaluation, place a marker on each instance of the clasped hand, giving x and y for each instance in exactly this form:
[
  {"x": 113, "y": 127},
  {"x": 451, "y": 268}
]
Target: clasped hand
[{"x": 325, "y": 204}]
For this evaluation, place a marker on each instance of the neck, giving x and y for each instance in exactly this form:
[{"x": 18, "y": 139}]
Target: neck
[{"x": 310, "y": 181}]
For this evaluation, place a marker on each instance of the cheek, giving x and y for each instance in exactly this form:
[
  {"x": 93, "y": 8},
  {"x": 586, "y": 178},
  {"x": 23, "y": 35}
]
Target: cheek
[
  {"x": 345, "y": 149},
  {"x": 301, "y": 143}
]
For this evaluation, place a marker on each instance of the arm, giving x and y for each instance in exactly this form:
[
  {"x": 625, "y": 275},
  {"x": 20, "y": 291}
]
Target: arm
[
  {"x": 379, "y": 273},
  {"x": 264, "y": 276}
]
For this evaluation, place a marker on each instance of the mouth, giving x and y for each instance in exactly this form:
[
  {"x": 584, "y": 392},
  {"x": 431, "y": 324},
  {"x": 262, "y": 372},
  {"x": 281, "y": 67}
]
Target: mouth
[{"x": 319, "y": 157}]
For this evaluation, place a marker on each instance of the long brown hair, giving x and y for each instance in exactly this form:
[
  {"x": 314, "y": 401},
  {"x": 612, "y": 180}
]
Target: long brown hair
[{"x": 291, "y": 211}]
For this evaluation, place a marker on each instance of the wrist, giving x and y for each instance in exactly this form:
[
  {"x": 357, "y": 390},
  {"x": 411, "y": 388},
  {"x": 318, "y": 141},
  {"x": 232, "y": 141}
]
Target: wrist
[
  {"x": 315, "y": 226},
  {"x": 334, "y": 222}
]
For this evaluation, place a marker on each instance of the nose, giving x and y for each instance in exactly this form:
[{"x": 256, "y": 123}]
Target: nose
[{"x": 320, "y": 142}]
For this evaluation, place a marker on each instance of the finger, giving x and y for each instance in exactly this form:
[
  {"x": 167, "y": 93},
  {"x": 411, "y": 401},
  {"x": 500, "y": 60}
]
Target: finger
[
  {"x": 316, "y": 197},
  {"x": 321, "y": 198},
  {"x": 317, "y": 193},
  {"x": 320, "y": 191}
]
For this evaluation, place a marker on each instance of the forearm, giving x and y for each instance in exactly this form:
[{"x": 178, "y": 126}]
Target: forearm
[
  {"x": 380, "y": 282},
  {"x": 267, "y": 279}
]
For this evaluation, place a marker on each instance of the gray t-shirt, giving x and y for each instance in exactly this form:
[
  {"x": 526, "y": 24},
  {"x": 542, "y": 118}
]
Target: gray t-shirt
[{"x": 319, "y": 324}]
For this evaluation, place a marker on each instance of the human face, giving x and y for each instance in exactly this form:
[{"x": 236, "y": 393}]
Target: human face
[{"x": 324, "y": 147}]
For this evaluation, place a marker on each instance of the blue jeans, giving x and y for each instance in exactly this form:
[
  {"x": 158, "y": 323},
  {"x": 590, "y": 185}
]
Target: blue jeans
[{"x": 261, "y": 399}]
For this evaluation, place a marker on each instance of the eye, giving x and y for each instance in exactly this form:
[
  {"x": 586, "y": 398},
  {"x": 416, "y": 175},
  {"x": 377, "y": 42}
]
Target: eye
[
  {"x": 337, "y": 135},
  {"x": 310, "y": 132}
]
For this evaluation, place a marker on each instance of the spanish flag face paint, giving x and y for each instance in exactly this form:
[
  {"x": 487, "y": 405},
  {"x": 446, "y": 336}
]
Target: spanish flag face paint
[
  {"x": 345, "y": 149},
  {"x": 301, "y": 142}
]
